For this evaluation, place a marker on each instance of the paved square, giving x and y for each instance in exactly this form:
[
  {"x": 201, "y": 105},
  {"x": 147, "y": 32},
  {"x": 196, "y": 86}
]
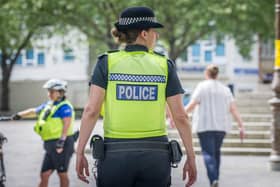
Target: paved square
[{"x": 24, "y": 152}]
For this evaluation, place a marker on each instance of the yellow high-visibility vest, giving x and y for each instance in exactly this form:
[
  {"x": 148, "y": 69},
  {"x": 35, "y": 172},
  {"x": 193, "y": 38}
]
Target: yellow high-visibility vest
[
  {"x": 135, "y": 97},
  {"x": 51, "y": 128}
]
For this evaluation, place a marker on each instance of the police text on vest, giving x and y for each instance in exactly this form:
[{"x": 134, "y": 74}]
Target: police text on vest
[{"x": 136, "y": 92}]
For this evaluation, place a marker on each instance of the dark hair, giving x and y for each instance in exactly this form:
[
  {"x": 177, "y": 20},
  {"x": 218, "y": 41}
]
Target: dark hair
[
  {"x": 126, "y": 36},
  {"x": 212, "y": 71}
]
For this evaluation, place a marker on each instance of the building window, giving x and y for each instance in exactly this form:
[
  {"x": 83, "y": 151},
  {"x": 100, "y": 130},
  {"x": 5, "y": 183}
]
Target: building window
[
  {"x": 68, "y": 55},
  {"x": 208, "y": 56},
  {"x": 196, "y": 53},
  {"x": 29, "y": 54},
  {"x": 220, "y": 49},
  {"x": 41, "y": 58},
  {"x": 19, "y": 59},
  {"x": 267, "y": 50},
  {"x": 196, "y": 50}
]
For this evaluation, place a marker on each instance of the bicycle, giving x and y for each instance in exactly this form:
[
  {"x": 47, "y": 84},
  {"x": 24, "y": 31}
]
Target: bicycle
[{"x": 3, "y": 140}]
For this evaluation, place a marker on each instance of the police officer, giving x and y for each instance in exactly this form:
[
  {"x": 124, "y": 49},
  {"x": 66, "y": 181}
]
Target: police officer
[
  {"x": 55, "y": 126},
  {"x": 135, "y": 84}
]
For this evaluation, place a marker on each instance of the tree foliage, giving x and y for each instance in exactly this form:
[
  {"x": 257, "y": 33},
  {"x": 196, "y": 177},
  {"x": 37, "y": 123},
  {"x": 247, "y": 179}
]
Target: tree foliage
[
  {"x": 185, "y": 22},
  {"x": 20, "y": 20},
  {"x": 246, "y": 21}
]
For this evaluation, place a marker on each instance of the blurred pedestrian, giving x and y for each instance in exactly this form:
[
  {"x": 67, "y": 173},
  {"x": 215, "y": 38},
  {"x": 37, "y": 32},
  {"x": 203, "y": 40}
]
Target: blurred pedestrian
[
  {"x": 213, "y": 103},
  {"x": 55, "y": 126}
]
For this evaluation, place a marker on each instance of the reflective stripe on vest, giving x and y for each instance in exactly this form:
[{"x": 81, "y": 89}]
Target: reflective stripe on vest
[
  {"x": 135, "y": 96},
  {"x": 51, "y": 128}
]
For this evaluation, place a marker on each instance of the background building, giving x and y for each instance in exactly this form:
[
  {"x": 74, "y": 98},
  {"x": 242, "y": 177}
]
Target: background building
[
  {"x": 240, "y": 72},
  {"x": 62, "y": 57},
  {"x": 67, "y": 58}
]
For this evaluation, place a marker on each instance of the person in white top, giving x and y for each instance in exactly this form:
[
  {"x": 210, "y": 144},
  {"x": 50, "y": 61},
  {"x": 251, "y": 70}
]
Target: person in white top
[{"x": 213, "y": 105}]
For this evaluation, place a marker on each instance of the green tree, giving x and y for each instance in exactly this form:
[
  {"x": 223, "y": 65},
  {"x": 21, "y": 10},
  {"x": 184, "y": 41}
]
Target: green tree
[
  {"x": 185, "y": 21},
  {"x": 95, "y": 19},
  {"x": 20, "y": 20},
  {"x": 247, "y": 22}
]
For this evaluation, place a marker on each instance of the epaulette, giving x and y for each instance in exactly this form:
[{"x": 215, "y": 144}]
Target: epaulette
[
  {"x": 160, "y": 54},
  {"x": 102, "y": 55},
  {"x": 113, "y": 51},
  {"x": 105, "y": 54}
]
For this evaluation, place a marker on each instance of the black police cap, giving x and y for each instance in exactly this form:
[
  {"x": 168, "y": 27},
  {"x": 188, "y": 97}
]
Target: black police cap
[{"x": 137, "y": 18}]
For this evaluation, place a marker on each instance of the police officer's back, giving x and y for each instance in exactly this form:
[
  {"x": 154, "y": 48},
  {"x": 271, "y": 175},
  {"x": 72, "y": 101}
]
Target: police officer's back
[{"x": 135, "y": 84}]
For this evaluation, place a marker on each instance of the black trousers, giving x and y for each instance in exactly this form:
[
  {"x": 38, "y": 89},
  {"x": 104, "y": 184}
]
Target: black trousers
[
  {"x": 135, "y": 168},
  {"x": 53, "y": 160}
]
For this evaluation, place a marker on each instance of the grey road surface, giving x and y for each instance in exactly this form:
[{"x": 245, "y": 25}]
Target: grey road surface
[{"x": 24, "y": 153}]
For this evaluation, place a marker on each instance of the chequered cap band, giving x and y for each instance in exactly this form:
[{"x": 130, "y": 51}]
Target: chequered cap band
[
  {"x": 130, "y": 20},
  {"x": 137, "y": 78}
]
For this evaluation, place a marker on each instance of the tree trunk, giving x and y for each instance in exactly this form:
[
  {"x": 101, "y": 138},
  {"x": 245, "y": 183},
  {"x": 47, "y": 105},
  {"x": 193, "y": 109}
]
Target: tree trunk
[
  {"x": 260, "y": 66},
  {"x": 172, "y": 52},
  {"x": 7, "y": 70},
  {"x": 5, "y": 95},
  {"x": 5, "y": 89}
]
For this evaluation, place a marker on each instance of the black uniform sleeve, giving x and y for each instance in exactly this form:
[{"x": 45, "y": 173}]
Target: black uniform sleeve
[
  {"x": 173, "y": 86},
  {"x": 100, "y": 73}
]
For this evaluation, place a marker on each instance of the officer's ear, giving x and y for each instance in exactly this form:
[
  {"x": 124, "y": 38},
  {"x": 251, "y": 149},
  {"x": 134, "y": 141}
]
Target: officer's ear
[{"x": 144, "y": 34}]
